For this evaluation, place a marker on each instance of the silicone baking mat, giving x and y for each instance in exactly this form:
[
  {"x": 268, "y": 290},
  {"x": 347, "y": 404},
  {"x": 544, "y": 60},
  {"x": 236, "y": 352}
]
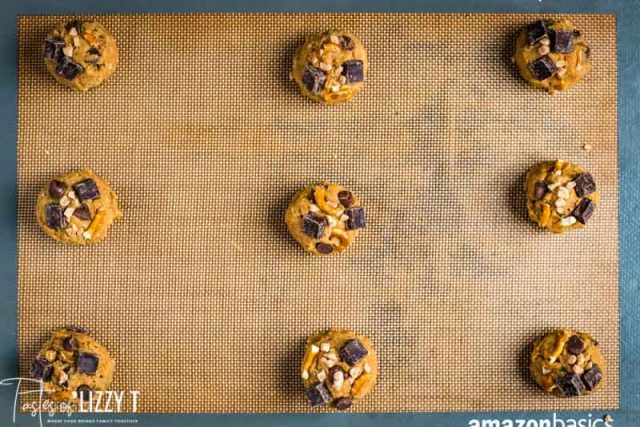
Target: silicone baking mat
[{"x": 200, "y": 293}]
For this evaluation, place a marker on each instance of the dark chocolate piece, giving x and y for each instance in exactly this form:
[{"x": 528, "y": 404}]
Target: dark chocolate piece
[
  {"x": 543, "y": 68},
  {"x": 585, "y": 185},
  {"x": 592, "y": 377},
  {"x": 319, "y": 394},
  {"x": 87, "y": 363},
  {"x": 584, "y": 210},
  {"x": 570, "y": 385},
  {"x": 93, "y": 51},
  {"x": 76, "y": 23},
  {"x": 357, "y": 218},
  {"x": 84, "y": 392},
  {"x": 68, "y": 68},
  {"x": 53, "y": 49},
  {"x": 313, "y": 78},
  {"x": 343, "y": 403},
  {"x": 353, "y": 351},
  {"x": 346, "y": 43},
  {"x": 576, "y": 33},
  {"x": 54, "y": 215},
  {"x": 39, "y": 368},
  {"x": 86, "y": 190},
  {"x": 537, "y": 31},
  {"x": 93, "y": 55},
  {"x": 313, "y": 225},
  {"x": 324, "y": 248},
  {"x": 83, "y": 212},
  {"x": 70, "y": 344},
  {"x": 57, "y": 188},
  {"x": 346, "y": 198},
  {"x": 575, "y": 345},
  {"x": 352, "y": 71},
  {"x": 562, "y": 41},
  {"x": 539, "y": 190}
]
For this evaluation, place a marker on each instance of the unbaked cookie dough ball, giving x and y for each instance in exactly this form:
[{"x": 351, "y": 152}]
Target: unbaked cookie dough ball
[
  {"x": 552, "y": 55},
  {"x": 567, "y": 363},
  {"x": 560, "y": 195},
  {"x": 81, "y": 55},
  {"x": 339, "y": 368},
  {"x": 77, "y": 208},
  {"x": 325, "y": 218},
  {"x": 331, "y": 67},
  {"x": 72, "y": 365}
]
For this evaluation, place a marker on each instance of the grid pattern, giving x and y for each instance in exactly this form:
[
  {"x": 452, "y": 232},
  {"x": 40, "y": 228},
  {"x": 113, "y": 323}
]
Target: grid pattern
[{"x": 203, "y": 298}]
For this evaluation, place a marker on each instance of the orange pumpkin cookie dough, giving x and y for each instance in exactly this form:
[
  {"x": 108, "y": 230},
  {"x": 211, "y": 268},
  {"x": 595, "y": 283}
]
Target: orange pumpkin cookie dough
[
  {"x": 80, "y": 55},
  {"x": 567, "y": 363},
  {"x": 72, "y": 365},
  {"x": 324, "y": 218},
  {"x": 77, "y": 208},
  {"x": 330, "y": 67},
  {"x": 339, "y": 368},
  {"x": 552, "y": 55},
  {"x": 560, "y": 195}
]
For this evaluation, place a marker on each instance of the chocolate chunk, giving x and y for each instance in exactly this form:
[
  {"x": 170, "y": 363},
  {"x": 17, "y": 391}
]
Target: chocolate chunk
[
  {"x": 70, "y": 344},
  {"x": 86, "y": 190},
  {"x": 93, "y": 51},
  {"x": 87, "y": 363},
  {"x": 92, "y": 56},
  {"x": 576, "y": 33},
  {"x": 57, "y": 188},
  {"x": 543, "y": 68},
  {"x": 562, "y": 41},
  {"x": 39, "y": 368},
  {"x": 585, "y": 185},
  {"x": 539, "y": 190},
  {"x": 352, "y": 71},
  {"x": 346, "y": 198},
  {"x": 54, "y": 214},
  {"x": 343, "y": 403},
  {"x": 584, "y": 210},
  {"x": 318, "y": 394},
  {"x": 575, "y": 345},
  {"x": 324, "y": 248},
  {"x": 313, "y": 225},
  {"x": 592, "y": 377},
  {"x": 570, "y": 385},
  {"x": 537, "y": 31},
  {"x": 353, "y": 351},
  {"x": 68, "y": 68},
  {"x": 313, "y": 78},
  {"x": 346, "y": 42},
  {"x": 83, "y": 212},
  {"x": 84, "y": 392},
  {"x": 356, "y": 219},
  {"x": 77, "y": 24},
  {"x": 53, "y": 49}
]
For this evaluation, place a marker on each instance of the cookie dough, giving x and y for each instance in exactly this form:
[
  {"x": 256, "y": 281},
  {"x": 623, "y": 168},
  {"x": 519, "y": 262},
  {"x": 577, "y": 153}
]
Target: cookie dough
[
  {"x": 560, "y": 195},
  {"x": 339, "y": 368},
  {"x": 72, "y": 365},
  {"x": 567, "y": 363},
  {"x": 330, "y": 67},
  {"x": 80, "y": 55},
  {"x": 325, "y": 218},
  {"x": 552, "y": 55},
  {"x": 77, "y": 208}
]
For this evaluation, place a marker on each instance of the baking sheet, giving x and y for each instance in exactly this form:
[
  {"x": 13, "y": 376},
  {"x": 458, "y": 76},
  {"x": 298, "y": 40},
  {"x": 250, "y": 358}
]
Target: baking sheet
[{"x": 199, "y": 292}]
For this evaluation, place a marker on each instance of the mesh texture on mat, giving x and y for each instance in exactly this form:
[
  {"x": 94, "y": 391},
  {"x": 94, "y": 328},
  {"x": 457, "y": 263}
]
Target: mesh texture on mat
[{"x": 199, "y": 292}]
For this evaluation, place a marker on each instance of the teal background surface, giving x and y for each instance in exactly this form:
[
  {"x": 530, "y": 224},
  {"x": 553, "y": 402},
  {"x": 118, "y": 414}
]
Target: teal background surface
[{"x": 628, "y": 22}]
